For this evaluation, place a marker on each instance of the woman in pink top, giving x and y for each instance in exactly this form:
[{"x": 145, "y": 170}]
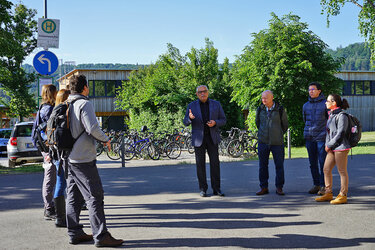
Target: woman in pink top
[{"x": 337, "y": 148}]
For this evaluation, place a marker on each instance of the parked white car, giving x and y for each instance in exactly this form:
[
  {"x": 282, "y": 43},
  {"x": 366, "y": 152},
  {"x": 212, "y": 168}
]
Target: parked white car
[{"x": 20, "y": 147}]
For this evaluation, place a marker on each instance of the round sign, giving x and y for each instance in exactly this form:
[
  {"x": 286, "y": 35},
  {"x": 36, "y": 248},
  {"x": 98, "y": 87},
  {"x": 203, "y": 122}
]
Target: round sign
[
  {"x": 49, "y": 26},
  {"x": 45, "y": 62}
]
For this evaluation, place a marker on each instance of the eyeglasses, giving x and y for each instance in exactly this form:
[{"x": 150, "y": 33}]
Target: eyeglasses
[
  {"x": 202, "y": 92},
  {"x": 312, "y": 90}
]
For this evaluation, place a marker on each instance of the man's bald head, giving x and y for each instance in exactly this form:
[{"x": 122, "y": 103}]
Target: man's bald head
[{"x": 267, "y": 98}]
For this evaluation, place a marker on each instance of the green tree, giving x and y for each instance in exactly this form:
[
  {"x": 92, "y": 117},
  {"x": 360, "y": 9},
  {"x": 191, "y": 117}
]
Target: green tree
[
  {"x": 284, "y": 58},
  {"x": 366, "y": 17},
  {"x": 157, "y": 95},
  {"x": 17, "y": 40}
]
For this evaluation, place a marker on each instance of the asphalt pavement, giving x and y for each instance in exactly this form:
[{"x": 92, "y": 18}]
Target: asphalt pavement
[{"x": 156, "y": 205}]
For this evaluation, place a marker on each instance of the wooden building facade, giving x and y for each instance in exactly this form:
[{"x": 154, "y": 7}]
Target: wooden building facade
[
  {"x": 102, "y": 85},
  {"x": 359, "y": 90}
]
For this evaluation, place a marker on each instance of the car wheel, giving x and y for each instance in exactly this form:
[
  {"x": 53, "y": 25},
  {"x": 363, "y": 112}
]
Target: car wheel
[{"x": 11, "y": 164}]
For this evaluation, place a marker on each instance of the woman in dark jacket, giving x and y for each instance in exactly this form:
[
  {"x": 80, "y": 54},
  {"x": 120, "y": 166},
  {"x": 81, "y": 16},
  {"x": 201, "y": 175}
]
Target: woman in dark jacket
[
  {"x": 337, "y": 148},
  {"x": 49, "y": 181}
]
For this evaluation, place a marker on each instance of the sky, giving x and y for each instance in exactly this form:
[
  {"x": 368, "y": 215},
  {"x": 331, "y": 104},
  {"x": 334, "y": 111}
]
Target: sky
[{"x": 138, "y": 31}]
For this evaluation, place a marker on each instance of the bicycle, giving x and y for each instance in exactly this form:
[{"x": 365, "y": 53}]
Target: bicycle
[{"x": 246, "y": 142}]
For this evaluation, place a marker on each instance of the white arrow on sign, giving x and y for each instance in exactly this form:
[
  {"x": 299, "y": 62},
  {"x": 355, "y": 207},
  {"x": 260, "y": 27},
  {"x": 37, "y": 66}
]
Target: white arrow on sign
[{"x": 42, "y": 59}]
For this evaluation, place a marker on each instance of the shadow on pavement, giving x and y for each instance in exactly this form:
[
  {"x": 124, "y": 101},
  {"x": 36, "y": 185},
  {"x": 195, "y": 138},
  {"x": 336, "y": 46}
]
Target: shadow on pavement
[{"x": 280, "y": 241}]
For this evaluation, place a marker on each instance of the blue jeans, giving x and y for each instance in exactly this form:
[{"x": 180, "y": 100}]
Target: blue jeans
[
  {"x": 278, "y": 158},
  {"x": 60, "y": 180},
  {"x": 317, "y": 154}
]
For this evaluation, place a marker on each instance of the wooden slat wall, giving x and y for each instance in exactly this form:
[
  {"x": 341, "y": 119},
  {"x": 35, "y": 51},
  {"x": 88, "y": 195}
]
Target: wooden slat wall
[{"x": 363, "y": 107}]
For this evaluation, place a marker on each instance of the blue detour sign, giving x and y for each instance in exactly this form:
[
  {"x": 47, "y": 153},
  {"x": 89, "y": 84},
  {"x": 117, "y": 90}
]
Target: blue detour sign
[{"x": 45, "y": 62}]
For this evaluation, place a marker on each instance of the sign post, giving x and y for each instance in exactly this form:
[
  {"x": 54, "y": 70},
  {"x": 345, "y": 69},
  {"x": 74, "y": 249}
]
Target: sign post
[
  {"x": 45, "y": 62},
  {"x": 48, "y": 33}
]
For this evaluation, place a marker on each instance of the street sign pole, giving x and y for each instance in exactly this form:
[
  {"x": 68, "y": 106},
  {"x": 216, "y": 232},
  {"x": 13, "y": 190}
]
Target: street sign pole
[{"x": 45, "y": 8}]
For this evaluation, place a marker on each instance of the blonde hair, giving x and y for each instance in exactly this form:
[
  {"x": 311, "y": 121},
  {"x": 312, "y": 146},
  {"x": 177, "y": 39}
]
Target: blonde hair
[
  {"x": 62, "y": 95},
  {"x": 49, "y": 94}
]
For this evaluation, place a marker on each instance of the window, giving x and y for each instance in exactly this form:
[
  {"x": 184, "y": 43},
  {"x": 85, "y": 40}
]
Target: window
[
  {"x": 359, "y": 88},
  {"x": 99, "y": 88},
  {"x": 366, "y": 88},
  {"x": 111, "y": 86},
  {"x": 102, "y": 88},
  {"x": 91, "y": 88}
]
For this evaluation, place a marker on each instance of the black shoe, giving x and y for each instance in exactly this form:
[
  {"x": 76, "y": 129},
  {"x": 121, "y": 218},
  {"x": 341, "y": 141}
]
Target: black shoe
[
  {"x": 109, "y": 241},
  {"x": 203, "y": 194},
  {"x": 49, "y": 214},
  {"x": 82, "y": 238},
  {"x": 280, "y": 191},
  {"x": 314, "y": 190},
  {"x": 219, "y": 193},
  {"x": 263, "y": 191}
]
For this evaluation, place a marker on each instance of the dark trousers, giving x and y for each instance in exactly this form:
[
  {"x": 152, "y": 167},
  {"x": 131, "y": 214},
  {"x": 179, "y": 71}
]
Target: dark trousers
[
  {"x": 84, "y": 184},
  {"x": 278, "y": 158},
  {"x": 317, "y": 156},
  {"x": 200, "y": 159}
]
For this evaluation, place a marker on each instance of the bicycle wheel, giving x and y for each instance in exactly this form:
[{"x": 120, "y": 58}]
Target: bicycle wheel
[
  {"x": 235, "y": 148},
  {"x": 223, "y": 146},
  {"x": 99, "y": 148},
  {"x": 129, "y": 151},
  {"x": 114, "y": 153},
  {"x": 173, "y": 150},
  {"x": 153, "y": 152},
  {"x": 190, "y": 146}
]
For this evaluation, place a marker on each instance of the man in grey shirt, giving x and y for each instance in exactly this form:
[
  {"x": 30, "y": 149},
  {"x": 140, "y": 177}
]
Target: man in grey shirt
[{"x": 84, "y": 183}]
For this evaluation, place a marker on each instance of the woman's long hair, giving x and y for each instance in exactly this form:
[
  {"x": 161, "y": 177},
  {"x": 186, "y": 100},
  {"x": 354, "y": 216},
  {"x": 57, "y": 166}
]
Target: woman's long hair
[
  {"x": 62, "y": 95},
  {"x": 49, "y": 94},
  {"x": 341, "y": 103}
]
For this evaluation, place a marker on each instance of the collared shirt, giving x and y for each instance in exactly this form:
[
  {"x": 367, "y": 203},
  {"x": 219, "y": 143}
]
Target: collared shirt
[
  {"x": 269, "y": 110},
  {"x": 205, "y": 110}
]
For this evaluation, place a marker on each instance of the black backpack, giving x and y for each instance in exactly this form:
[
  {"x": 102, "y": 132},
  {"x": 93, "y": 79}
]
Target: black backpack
[
  {"x": 58, "y": 127},
  {"x": 39, "y": 138},
  {"x": 354, "y": 131}
]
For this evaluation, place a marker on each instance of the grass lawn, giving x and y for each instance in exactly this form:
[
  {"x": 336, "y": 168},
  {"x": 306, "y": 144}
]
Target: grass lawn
[
  {"x": 365, "y": 146},
  {"x": 22, "y": 169}
]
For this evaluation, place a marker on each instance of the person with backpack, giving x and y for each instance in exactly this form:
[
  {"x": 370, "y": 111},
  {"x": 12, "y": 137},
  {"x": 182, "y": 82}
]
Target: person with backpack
[
  {"x": 272, "y": 122},
  {"x": 83, "y": 182},
  {"x": 49, "y": 181},
  {"x": 315, "y": 115},
  {"x": 59, "y": 194},
  {"x": 337, "y": 148}
]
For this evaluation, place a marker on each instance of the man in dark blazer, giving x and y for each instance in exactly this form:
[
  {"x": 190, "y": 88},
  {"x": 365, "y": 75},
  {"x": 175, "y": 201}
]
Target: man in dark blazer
[{"x": 206, "y": 116}]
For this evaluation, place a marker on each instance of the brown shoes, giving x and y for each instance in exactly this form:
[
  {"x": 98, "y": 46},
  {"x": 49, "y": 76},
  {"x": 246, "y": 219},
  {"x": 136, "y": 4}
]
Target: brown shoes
[
  {"x": 262, "y": 191},
  {"x": 82, "y": 238},
  {"x": 109, "y": 241},
  {"x": 325, "y": 197},
  {"x": 340, "y": 199},
  {"x": 279, "y": 191}
]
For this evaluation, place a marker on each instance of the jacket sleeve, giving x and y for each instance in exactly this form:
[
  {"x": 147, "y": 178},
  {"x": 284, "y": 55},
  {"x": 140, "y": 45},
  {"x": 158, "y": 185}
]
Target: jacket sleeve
[
  {"x": 222, "y": 120},
  {"x": 90, "y": 123},
  {"x": 187, "y": 120},
  {"x": 257, "y": 118},
  {"x": 341, "y": 127},
  {"x": 303, "y": 114}
]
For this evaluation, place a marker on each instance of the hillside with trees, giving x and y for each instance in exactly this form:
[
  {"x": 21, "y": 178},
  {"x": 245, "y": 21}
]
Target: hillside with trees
[{"x": 355, "y": 56}]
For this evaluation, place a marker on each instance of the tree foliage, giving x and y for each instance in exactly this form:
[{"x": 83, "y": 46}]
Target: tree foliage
[
  {"x": 158, "y": 94},
  {"x": 17, "y": 40},
  {"x": 284, "y": 58},
  {"x": 366, "y": 17},
  {"x": 356, "y": 57}
]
